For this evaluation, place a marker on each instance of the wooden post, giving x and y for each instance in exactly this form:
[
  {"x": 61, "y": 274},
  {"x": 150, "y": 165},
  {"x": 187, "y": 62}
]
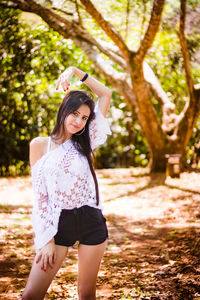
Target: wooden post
[{"x": 173, "y": 168}]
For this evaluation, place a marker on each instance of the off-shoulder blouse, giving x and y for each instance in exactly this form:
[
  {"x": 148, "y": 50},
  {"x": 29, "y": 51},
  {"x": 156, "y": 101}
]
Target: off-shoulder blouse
[{"x": 62, "y": 179}]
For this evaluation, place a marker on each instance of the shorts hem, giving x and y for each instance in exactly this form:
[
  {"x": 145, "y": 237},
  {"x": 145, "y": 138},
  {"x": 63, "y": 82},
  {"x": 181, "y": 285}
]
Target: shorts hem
[
  {"x": 61, "y": 244},
  {"x": 95, "y": 243}
]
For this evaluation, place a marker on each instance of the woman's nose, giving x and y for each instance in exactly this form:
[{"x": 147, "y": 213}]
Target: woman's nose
[{"x": 78, "y": 120}]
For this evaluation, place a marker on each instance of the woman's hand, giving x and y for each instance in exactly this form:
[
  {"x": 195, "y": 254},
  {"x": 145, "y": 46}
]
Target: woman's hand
[
  {"x": 47, "y": 255},
  {"x": 64, "y": 79},
  {"x": 103, "y": 93}
]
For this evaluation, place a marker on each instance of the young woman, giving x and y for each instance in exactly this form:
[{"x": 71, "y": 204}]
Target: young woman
[{"x": 67, "y": 204}]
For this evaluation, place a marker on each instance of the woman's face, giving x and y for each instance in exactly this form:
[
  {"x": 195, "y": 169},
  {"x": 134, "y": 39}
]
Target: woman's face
[{"x": 76, "y": 121}]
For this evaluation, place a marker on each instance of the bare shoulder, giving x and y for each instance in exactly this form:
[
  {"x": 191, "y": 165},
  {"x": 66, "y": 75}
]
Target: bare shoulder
[
  {"x": 38, "y": 148},
  {"x": 39, "y": 141}
]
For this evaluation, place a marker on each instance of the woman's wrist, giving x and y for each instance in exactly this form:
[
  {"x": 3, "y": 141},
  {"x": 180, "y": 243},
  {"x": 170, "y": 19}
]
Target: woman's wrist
[
  {"x": 84, "y": 77},
  {"x": 51, "y": 241},
  {"x": 78, "y": 73}
]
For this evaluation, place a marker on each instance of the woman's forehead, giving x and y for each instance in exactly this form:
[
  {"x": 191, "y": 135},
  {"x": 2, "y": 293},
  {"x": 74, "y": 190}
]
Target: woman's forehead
[{"x": 84, "y": 110}]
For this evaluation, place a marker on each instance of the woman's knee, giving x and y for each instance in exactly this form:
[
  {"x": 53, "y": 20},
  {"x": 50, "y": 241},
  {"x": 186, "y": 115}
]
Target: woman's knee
[
  {"x": 28, "y": 294},
  {"x": 85, "y": 293}
]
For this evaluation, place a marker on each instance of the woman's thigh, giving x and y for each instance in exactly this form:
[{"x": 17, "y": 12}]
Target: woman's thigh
[
  {"x": 88, "y": 266},
  {"x": 39, "y": 281}
]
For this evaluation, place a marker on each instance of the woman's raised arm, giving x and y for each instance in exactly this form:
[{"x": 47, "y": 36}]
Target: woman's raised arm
[{"x": 103, "y": 93}]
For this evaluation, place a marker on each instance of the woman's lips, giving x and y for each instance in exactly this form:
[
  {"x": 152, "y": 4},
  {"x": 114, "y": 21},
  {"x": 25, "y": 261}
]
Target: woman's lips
[{"x": 76, "y": 127}]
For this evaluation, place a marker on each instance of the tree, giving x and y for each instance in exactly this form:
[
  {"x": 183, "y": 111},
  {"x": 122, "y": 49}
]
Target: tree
[{"x": 127, "y": 71}]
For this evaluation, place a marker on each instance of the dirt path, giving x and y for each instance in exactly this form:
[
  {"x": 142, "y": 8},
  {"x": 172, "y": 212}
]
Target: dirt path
[{"x": 154, "y": 246}]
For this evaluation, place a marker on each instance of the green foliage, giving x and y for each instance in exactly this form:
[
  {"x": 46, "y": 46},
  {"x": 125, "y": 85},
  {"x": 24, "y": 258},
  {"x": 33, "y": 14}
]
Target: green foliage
[
  {"x": 126, "y": 147},
  {"x": 16, "y": 108},
  {"x": 31, "y": 61}
]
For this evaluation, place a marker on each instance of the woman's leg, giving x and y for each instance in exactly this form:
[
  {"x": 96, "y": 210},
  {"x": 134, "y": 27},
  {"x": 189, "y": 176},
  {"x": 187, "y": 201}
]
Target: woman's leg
[
  {"x": 88, "y": 267},
  {"x": 39, "y": 281}
]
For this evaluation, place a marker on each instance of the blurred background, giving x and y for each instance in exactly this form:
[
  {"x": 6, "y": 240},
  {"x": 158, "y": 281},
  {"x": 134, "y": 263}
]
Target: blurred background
[{"x": 33, "y": 55}]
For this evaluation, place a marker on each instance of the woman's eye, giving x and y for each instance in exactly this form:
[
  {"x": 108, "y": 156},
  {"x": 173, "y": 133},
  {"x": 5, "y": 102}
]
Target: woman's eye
[{"x": 75, "y": 114}]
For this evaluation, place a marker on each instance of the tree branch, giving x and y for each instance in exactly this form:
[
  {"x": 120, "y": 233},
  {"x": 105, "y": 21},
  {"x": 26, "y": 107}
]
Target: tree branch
[
  {"x": 101, "y": 45},
  {"x": 114, "y": 78},
  {"x": 169, "y": 117},
  {"x": 68, "y": 13},
  {"x": 127, "y": 18},
  {"x": 113, "y": 56},
  {"x": 151, "y": 30},
  {"x": 108, "y": 28},
  {"x": 67, "y": 28},
  {"x": 78, "y": 13},
  {"x": 10, "y": 4},
  {"x": 87, "y": 43},
  {"x": 6, "y": 5},
  {"x": 197, "y": 96},
  {"x": 184, "y": 49},
  {"x": 191, "y": 111},
  {"x": 144, "y": 15},
  {"x": 155, "y": 85}
]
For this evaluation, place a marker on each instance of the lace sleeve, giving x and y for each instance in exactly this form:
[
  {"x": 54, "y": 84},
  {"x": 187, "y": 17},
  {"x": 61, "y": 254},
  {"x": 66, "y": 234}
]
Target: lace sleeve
[
  {"x": 43, "y": 223},
  {"x": 99, "y": 129}
]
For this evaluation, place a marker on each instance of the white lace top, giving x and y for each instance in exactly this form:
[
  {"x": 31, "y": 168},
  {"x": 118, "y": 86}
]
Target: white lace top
[{"x": 62, "y": 180}]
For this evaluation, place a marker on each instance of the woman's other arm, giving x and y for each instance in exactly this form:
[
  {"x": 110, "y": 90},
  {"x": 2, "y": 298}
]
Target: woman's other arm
[
  {"x": 103, "y": 93},
  {"x": 47, "y": 254}
]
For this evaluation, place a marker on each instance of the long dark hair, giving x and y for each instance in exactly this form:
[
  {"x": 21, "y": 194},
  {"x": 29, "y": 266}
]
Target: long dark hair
[{"x": 71, "y": 102}]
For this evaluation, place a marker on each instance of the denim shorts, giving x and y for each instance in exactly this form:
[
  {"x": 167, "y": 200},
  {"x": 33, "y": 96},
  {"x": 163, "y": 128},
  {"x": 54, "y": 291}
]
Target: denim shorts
[{"x": 85, "y": 224}]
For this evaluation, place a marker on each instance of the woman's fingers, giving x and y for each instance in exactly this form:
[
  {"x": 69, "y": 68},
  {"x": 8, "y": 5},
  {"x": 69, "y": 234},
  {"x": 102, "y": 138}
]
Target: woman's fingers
[
  {"x": 57, "y": 84},
  {"x": 54, "y": 257},
  {"x": 45, "y": 262},
  {"x": 47, "y": 255},
  {"x": 51, "y": 260},
  {"x": 38, "y": 257},
  {"x": 64, "y": 81},
  {"x": 65, "y": 85}
]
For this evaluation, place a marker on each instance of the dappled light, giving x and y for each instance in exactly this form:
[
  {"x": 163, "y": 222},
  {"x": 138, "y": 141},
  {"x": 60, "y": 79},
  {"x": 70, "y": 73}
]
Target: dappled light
[{"x": 153, "y": 248}]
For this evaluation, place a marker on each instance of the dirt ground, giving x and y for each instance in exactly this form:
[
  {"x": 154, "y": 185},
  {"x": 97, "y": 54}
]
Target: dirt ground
[{"x": 154, "y": 238}]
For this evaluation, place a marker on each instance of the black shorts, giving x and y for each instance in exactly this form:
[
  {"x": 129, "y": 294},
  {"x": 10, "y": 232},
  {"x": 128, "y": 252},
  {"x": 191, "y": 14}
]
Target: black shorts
[{"x": 85, "y": 224}]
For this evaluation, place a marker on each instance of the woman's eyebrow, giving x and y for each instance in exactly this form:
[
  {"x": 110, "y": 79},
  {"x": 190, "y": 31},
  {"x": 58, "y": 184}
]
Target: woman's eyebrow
[{"x": 80, "y": 114}]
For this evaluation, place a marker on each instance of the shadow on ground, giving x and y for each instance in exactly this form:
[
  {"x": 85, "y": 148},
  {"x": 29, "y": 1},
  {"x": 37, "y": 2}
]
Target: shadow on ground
[
  {"x": 146, "y": 258},
  {"x": 156, "y": 263}
]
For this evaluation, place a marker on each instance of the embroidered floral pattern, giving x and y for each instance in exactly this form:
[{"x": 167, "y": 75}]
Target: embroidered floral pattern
[{"x": 62, "y": 180}]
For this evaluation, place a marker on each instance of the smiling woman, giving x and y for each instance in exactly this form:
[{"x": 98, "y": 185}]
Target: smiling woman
[
  {"x": 77, "y": 120},
  {"x": 67, "y": 203},
  {"x": 76, "y": 110}
]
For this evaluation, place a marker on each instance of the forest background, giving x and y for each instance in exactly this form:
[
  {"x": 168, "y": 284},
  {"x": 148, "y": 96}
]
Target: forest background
[
  {"x": 147, "y": 52},
  {"x": 32, "y": 55}
]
